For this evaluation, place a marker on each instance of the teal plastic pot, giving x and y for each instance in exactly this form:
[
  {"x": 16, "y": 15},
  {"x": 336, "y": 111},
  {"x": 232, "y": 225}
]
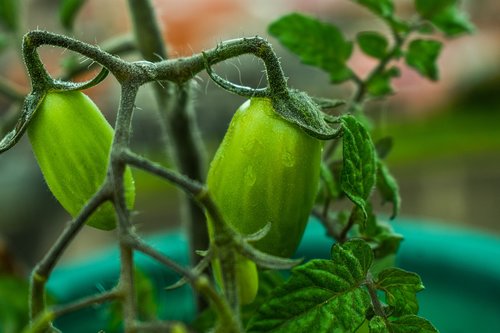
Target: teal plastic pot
[{"x": 459, "y": 267}]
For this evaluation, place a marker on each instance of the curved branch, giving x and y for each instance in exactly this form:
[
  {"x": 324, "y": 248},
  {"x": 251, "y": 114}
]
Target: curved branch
[
  {"x": 45, "y": 267},
  {"x": 176, "y": 70},
  {"x": 183, "y": 69},
  {"x": 36, "y": 38}
]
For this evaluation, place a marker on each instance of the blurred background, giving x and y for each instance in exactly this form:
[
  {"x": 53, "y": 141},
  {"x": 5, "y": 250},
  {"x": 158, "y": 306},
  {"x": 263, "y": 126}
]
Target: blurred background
[{"x": 446, "y": 154}]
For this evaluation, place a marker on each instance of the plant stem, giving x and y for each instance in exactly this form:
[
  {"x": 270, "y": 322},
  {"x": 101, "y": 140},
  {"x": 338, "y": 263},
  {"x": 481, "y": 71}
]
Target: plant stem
[
  {"x": 190, "y": 158},
  {"x": 175, "y": 70},
  {"x": 86, "y": 302},
  {"x": 377, "y": 306},
  {"x": 125, "y": 227},
  {"x": 190, "y": 186},
  {"x": 227, "y": 255},
  {"x": 179, "y": 123},
  {"x": 200, "y": 283},
  {"x": 36, "y": 38},
  {"x": 161, "y": 327},
  {"x": 350, "y": 223},
  {"x": 116, "y": 46},
  {"x": 127, "y": 286},
  {"x": 131, "y": 76},
  {"x": 45, "y": 267}
]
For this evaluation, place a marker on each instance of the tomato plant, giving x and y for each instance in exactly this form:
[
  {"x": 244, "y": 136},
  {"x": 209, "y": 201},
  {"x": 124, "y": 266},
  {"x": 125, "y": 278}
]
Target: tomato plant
[{"x": 285, "y": 156}]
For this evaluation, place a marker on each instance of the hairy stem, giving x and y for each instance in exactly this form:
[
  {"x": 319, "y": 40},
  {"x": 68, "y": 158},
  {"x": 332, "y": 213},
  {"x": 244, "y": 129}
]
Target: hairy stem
[
  {"x": 377, "y": 306},
  {"x": 179, "y": 123},
  {"x": 175, "y": 70},
  {"x": 86, "y": 302},
  {"x": 190, "y": 158},
  {"x": 200, "y": 283},
  {"x": 227, "y": 255},
  {"x": 117, "y": 46},
  {"x": 117, "y": 170},
  {"x": 45, "y": 267}
]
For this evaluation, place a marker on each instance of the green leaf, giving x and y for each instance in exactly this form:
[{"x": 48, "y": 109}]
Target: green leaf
[
  {"x": 379, "y": 234},
  {"x": 321, "y": 295},
  {"x": 316, "y": 43},
  {"x": 422, "y": 55},
  {"x": 400, "y": 289},
  {"x": 9, "y": 14},
  {"x": 388, "y": 187},
  {"x": 4, "y": 42},
  {"x": 373, "y": 44},
  {"x": 411, "y": 324},
  {"x": 380, "y": 84},
  {"x": 382, "y": 234},
  {"x": 68, "y": 9},
  {"x": 14, "y": 293},
  {"x": 359, "y": 164},
  {"x": 388, "y": 242},
  {"x": 405, "y": 324},
  {"x": 445, "y": 15},
  {"x": 378, "y": 325},
  {"x": 382, "y": 8},
  {"x": 385, "y": 10},
  {"x": 383, "y": 146}
]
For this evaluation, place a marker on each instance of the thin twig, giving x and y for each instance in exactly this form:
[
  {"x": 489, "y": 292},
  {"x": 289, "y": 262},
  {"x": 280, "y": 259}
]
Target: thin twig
[
  {"x": 377, "y": 306},
  {"x": 83, "y": 303},
  {"x": 161, "y": 327},
  {"x": 44, "y": 268},
  {"x": 350, "y": 223},
  {"x": 117, "y": 46},
  {"x": 200, "y": 283}
]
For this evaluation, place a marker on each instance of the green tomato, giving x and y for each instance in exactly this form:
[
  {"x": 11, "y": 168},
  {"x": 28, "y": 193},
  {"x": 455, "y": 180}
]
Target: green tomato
[
  {"x": 71, "y": 141},
  {"x": 266, "y": 170}
]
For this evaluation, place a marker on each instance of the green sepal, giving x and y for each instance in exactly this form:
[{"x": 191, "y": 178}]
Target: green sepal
[
  {"x": 33, "y": 100},
  {"x": 30, "y": 104},
  {"x": 298, "y": 108},
  {"x": 77, "y": 86}
]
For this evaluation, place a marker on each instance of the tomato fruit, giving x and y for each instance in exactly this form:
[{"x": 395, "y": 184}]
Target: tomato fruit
[
  {"x": 266, "y": 170},
  {"x": 71, "y": 141}
]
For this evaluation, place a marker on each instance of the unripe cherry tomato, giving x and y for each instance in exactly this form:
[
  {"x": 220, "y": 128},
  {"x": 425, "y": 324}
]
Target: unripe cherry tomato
[
  {"x": 266, "y": 170},
  {"x": 71, "y": 141}
]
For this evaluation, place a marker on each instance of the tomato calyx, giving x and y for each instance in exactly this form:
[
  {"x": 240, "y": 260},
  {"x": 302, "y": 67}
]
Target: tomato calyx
[
  {"x": 228, "y": 239},
  {"x": 298, "y": 108},
  {"x": 33, "y": 100},
  {"x": 294, "y": 106}
]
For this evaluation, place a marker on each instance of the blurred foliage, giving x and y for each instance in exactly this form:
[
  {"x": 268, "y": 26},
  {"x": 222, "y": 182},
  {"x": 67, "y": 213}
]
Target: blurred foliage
[
  {"x": 13, "y": 303},
  {"x": 456, "y": 130}
]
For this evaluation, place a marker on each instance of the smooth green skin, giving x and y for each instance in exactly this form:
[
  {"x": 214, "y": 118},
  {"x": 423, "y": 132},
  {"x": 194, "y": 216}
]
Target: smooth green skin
[
  {"x": 71, "y": 141},
  {"x": 265, "y": 171}
]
